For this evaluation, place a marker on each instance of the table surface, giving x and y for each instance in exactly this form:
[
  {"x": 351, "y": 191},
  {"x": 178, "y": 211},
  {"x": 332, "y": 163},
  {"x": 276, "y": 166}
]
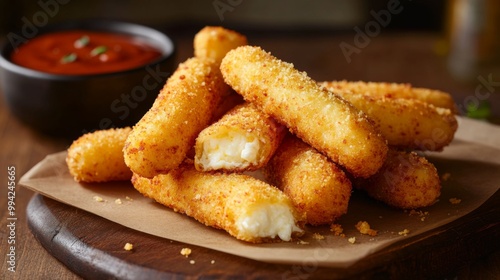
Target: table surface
[{"x": 395, "y": 57}]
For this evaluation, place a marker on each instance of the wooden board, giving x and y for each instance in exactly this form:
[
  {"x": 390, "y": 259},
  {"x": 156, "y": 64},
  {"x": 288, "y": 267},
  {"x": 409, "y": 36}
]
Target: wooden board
[{"x": 92, "y": 247}]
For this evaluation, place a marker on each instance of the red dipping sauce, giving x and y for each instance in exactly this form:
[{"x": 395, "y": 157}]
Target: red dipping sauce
[{"x": 82, "y": 52}]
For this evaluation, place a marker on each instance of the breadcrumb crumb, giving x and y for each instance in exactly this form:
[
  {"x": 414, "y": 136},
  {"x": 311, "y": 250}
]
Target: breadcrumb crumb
[
  {"x": 186, "y": 252},
  {"x": 318, "y": 236},
  {"x": 302, "y": 242},
  {"x": 455, "y": 200},
  {"x": 212, "y": 261},
  {"x": 420, "y": 213},
  {"x": 98, "y": 198},
  {"x": 364, "y": 228},
  {"x": 352, "y": 240},
  {"x": 191, "y": 261},
  {"x": 128, "y": 246},
  {"x": 128, "y": 198},
  {"x": 404, "y": 232},
  {"x": 118, "y": 201}
]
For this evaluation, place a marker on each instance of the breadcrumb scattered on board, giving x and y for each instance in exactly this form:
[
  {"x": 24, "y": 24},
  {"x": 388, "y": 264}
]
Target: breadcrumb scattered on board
[
  {"x": 445, "y": 176},
  {"x": 364, "y": 228},
  {"x": 118, "y": 201},
  {"x": 186, "y": 252},
  {"x": 404, "y": 232},
  {"x": 128, "y": 246},
  {"x": 98, "y": 198},
  {"x": 337, "y": 230},
  {"x": 212, "y": 261},
  {"x": 352, "y": 240},
  {"x": 420, "y": 213},
  {"x": 302, "y": 242},
  {"x": 191, "y": 261},
  {"x": 455, "y": 200}
]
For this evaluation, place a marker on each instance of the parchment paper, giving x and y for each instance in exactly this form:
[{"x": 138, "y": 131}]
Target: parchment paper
[{"x": 472, "y": 160}]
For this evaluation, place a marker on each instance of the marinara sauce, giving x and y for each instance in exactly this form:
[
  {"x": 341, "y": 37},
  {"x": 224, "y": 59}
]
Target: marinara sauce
[{"x": 80, "y": 52}]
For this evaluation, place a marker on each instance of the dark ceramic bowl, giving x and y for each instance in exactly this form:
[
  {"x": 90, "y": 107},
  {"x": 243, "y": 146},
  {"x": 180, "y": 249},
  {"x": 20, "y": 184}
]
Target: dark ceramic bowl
[{"x": 69, "y": 106}]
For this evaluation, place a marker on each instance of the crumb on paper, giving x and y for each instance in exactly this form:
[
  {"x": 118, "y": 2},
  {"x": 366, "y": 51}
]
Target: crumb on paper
[
  {"x": 128, "y": 198},
  {"x": 337, "y": 230},
  {"x": 318, "y": 236},
  {"x": 192, "y": 262},
  {"x": 404, "y": 232},
  {"x": 98, "y": 198},
  {"x": 302, "y": 242},
  {"x": 186, "y": 252},
  {"x": 128, "y": 246},
  {"x": 118, "y": 201},
  {"x": 420, "y": 213},
  {"x": 455, "y": 200},
  {"x": 445, "y": 176},
  {"x": 364, "y": 228},
  {"x": 352, "y": 240},
  {"x": 212, "y": 261}
]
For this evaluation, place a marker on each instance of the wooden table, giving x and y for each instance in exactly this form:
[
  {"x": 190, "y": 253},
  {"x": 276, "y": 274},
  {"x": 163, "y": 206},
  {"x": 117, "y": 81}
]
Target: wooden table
[{"x": 397, "y": 57}]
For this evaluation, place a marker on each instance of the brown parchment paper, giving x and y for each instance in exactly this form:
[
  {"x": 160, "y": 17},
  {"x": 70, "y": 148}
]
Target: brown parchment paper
[{"x": 472, "y": 160}]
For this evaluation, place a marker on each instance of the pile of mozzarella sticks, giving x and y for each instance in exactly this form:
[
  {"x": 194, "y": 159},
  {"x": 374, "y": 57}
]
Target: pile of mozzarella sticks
[{"x": 234, "y": 108}]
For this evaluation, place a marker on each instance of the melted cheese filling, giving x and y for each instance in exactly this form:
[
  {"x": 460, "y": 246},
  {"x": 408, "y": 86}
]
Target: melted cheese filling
[
  {"x": 269, "y": 220},
  {"x": 233, "y": 150}
]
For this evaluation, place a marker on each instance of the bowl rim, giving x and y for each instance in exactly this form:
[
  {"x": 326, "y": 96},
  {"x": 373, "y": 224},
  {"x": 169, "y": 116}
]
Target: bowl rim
[{"x": 153, "y": 36}]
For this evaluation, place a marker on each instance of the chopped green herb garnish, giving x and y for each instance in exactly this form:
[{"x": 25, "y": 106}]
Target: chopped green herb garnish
[
  {"x": 98, "y": 50},
  {"x": 68, "y": 58},
  {"x": 82, "y": 42},
  {"x": 481, "y": 111}
]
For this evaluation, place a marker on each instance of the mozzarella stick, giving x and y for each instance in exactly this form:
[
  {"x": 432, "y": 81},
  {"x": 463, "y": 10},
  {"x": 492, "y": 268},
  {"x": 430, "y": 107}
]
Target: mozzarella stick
[
  {"x": 394, "y": 90},
  {"x": 242, "y": 140},
  {"x": 320, "y": 118},
  {"x": 245, "y": 207},
  {"x": 98, "y": 157},
  {"x": 405, "y": 181},
  {"x": 226, "y": 104},
  {"x": 317, "y": 187},
  {"x": 160, "y": 141},
  {"x": 407, "y": 123},
  {"x": 215, "y": 41}
]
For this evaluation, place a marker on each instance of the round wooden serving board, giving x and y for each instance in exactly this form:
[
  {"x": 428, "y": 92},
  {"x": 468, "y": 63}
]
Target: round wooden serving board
[{"x": 92, "y": 247}]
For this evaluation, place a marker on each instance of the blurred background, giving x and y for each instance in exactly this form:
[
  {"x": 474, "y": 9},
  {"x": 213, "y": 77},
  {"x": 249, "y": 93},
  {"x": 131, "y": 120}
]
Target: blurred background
[{"x": 448, "y": 45}]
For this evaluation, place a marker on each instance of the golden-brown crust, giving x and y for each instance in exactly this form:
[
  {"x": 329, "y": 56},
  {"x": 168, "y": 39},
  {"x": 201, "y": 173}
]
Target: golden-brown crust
[
  {"x": 160, "y": 141},
  {"x": 317, "y": 187},
  {"x": 323, "y": 120},
  {"x": 406, "y": 123},
  {"x": 406, "y": 181},
  {"x": 215, "y": 41},
  {"x": 218, "y": 200},
  {"x": 98, "y": 156}
]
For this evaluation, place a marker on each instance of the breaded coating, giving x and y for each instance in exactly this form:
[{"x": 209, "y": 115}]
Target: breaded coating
[
  {"x": 405, "y": 181},
  {"x": 248, "y": 209},
  {"x": 407, "y": 123},
  {"x": 98, "y": 157},
  {"x": 160, "y": 141},
  {"x": 395, "y": 90},
  {"x": 325, "y": 121},
  {"x": 317, "y": 187},
  {"x": 242, "y": 140},
  {"x": 226, "y": 104},
  {"x": 215, "y": 41}
]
